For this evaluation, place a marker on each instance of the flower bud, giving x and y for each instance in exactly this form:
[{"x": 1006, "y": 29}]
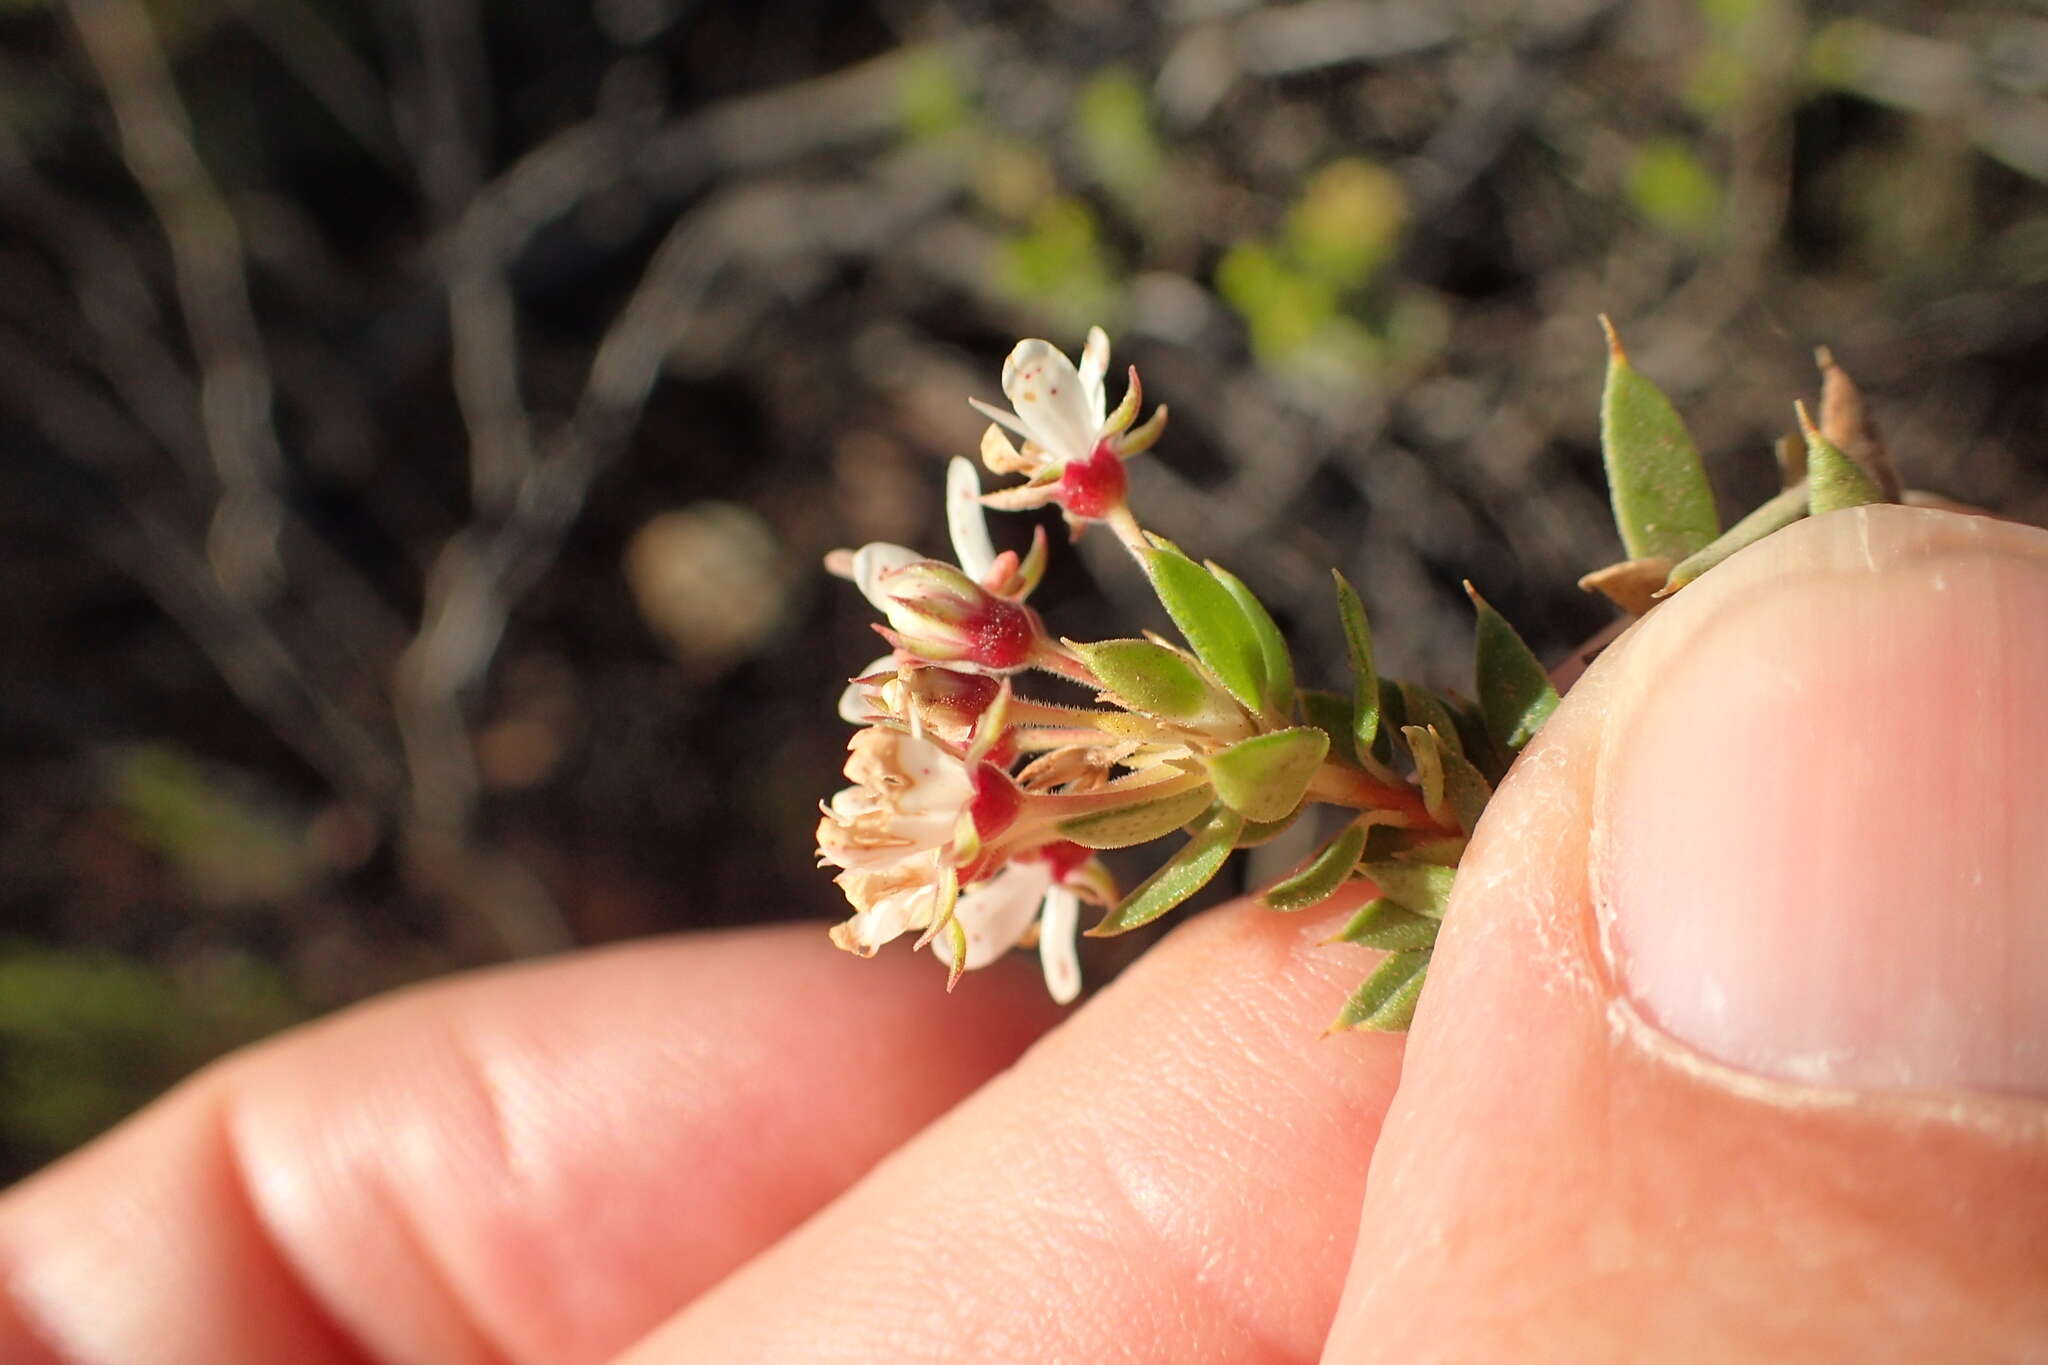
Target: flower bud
[{"x": 941, "y": 614}]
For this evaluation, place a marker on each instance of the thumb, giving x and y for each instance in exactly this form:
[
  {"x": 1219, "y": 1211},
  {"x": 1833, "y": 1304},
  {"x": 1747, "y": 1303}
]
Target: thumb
[{"x": 1736, "y": 1041}]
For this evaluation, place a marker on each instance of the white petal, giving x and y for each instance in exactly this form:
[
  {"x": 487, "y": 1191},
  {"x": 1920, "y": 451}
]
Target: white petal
[
  {"x": 994, "y": 914},
  {"x": 939, "y": 784},
  {"x": 854, "y": 707},
  {"x": 1042, "y": 384},
  {"x": 1095, "y": 365},
  {"x": 874, "y": 559},
  {"x": 999, "y": 417},
  {"x": 893, "y": 916},
  {"x": 1056, "y": 944},
  {"x": 965, "y": 519}
]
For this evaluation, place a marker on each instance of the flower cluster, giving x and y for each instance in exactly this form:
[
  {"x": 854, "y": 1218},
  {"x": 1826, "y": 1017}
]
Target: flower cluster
[{"x": 976, "y": 810}]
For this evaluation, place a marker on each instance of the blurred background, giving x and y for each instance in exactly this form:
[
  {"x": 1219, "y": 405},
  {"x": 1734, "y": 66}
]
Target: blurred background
[{"x": 423, "y": 419}]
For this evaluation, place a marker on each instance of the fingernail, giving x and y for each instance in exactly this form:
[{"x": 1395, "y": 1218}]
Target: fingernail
[{"x": 1822, "y": 851}]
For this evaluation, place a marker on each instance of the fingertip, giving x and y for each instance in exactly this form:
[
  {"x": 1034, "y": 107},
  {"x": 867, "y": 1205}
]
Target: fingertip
[{"x": 1575, "y": 1166}]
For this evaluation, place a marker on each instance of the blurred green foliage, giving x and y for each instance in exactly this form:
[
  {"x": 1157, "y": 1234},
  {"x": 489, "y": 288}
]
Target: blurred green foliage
[
  {"x": 1672, "y": 188},
  {"x": 1113, "y": 123},
  {"x": 86, "y": 1037},
  {"x": 1306, "y": 295}
]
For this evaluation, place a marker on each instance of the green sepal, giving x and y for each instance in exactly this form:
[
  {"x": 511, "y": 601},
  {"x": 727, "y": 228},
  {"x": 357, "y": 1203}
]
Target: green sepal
[
  {"x": 1424, "y": 888},
  {"x": 1383, "y": 924},
  {"x": 1365, "y": 693},
  {"x": 1327, "y": 871},
  {"x": 1265, "y": 777},
  {"x": 1187, "y": 872},
  {"x": 1278, "y": 663},
  {"x": 1123, "y": 826},
  {"x": 1833, "y": 480},
  {"x": 1211, "y": 620},
  {"x": 1663, "y": 505},
  {"x": 1150, "y": 678},
  {"x": 1768, "y": 518},
  {"x": 1515, "y": 695},
  {"x": 1386, "y": 1002}
]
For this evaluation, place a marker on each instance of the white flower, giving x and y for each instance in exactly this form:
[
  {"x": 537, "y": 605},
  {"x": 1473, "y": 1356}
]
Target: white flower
[
  {"x": 1074, "y": 444},
  {"x": 1060, "y": 408},
  {"x": 892, "y": 834},
  {"x": 995, "y": 915}
]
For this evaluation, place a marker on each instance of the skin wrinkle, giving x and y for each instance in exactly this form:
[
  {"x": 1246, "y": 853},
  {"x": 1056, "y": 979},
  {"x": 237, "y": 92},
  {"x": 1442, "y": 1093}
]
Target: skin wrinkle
[
  {"x": 371, "y": 1179},
  {"x": 290, "y": 1271}
]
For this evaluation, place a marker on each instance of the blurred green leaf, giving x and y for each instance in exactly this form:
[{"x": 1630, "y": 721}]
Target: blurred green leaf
[
  {"x": 1348, "y": 222},
  {"x": 1114, "y": 125},
  {"x": 1515, "y": 695},
  {"x": 1365, "y": 683},
  {"x": 1669, "y": 186},
  {"x": 1186, "y": 873},
  {"x": 1662, "y": 503},
  {"x": 1424, "y": 888},
  {"x": 1285, "y": 308},
  {"x": 85, "y": 1038},
  {"x": 1466, "y": 790},
  {"x": 1781, "y": 511},
  {"x": 931, "y": 99},
  {"x": 1386, "y": 1002},
  {"x": 1833, "y": 480},
  {"x": 1420, "y": 706},
  {"x": 1323, "y": 875},
  {"x": 1057, "y": 262},
  {"x": 1385, "y": 925}
]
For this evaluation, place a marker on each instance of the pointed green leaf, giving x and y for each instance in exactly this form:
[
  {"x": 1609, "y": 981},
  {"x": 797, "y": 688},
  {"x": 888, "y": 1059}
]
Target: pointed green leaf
[
  {"x": 1444, "y": 852},
  {"x": 1420, "y": 706},
  {"x": 1365, "y": 693},
  {"x": 1424, "y": 888},
  {"x": 1325, "y": 872},
  {"x": 1187, "y": 872},
  {"x": 1386, "y": 1002},
  {"x": 1383, "y": 924},
  {"x": 1123, "y": 826},
  {"x": 1833, "y": 480},
  {"x": 1211, "y": 620},
  {"x": 1388, "y": 744},
  {"x": 1264, "y": 777},
  {"x": 1331, "y": 713},
  {"x": 1429, "y": 767},
  {"x": 1662, "y": 503},
  {"x": 1148, "y": 677},
  {"x": 1781, "y": 511},
  {"x": 1466, "y": 790},
  {"x": 1279, "y": 664},
  {"x": 1515, "y": 695}
]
